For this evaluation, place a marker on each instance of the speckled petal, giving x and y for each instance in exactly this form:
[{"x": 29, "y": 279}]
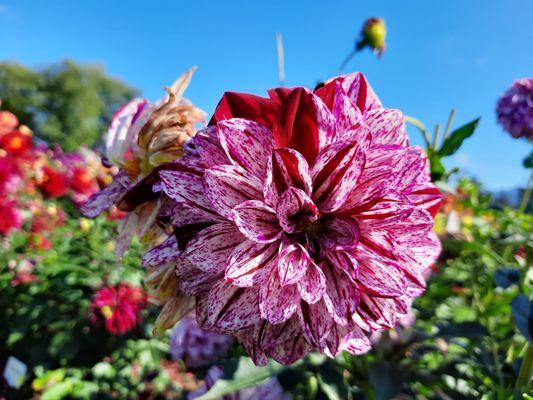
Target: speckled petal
[
  {"x": 229, "y": 185},
  {"x": 277, "y": 303},
  {"x": 257, "y": 221},
  {"x": 250, "y": 263},
  {"x": 286, "y": 168},
  {"x": 247, "y": 144},
  {"x": 231, "y": 308},
  {"x": 335, "y": 174}
]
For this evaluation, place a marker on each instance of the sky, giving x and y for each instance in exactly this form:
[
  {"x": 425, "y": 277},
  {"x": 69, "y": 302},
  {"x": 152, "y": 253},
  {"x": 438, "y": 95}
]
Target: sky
[{"x": 440, "y": 54}]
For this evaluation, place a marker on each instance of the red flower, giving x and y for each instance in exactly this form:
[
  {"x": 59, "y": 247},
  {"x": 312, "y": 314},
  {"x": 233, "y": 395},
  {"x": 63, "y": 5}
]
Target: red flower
[
  {"x": 10, "y": 217},
  {"x": 53, "y": 183},
  {"x": 16, "y": 142},
  {"x": 118, "y": 307},
  {"x": 82, "y": 181}
]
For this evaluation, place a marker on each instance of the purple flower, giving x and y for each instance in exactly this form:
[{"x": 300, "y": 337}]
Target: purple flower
[
  {"x": 196, "y": 347},
  {"x": 515, "y": 109},
  {"x": 303, "y": 221},
  {"x": 270, "y": 390}
]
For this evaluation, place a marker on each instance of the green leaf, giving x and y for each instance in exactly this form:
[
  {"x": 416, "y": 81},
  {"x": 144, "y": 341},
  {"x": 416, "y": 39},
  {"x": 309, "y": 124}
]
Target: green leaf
[
  {"x": 240, "y": 373},
  {"x": 456, "y": 138}
]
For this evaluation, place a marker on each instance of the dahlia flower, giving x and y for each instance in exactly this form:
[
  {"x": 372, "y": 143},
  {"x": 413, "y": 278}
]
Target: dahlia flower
[
  {"x": 196, "y": 347},
  {"x": 141, "y": 137},
  {"x": 16, "y": 142},
  {"x": 118, "y": 307},
  {"x": 270, "y": 390},
  {"x": 53, "y": 182},
  {"x": 302, "y": 221},
  {"x": 515, "y": 109},
  {"x": 9, "y": 175}
]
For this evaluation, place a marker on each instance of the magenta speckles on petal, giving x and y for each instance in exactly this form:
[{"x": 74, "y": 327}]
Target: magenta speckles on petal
[{"x": 328, "y": 218}]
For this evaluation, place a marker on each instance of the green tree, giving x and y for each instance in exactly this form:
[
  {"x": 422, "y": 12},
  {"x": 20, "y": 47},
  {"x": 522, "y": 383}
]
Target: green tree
[{"x": 65, "y": 103}]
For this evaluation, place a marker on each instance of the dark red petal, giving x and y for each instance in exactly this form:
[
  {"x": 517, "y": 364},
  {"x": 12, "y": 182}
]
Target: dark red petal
[
  {"x": 296, "y": 124},
  {"x": 242, "y": 105}
]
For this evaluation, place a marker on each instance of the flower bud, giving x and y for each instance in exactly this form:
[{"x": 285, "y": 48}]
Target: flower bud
[{"x": 373, "y": 35}]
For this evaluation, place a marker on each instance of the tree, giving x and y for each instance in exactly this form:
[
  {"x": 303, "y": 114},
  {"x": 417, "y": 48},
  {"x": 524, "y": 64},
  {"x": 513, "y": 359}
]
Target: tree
[{"x": 65, "y": 103}]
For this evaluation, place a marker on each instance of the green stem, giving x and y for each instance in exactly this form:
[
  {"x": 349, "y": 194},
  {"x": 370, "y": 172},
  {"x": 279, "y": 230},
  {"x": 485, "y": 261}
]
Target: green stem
[
  {"x": 421, "y": 128},
  {"x": 527, "y": 194},
  {"x": 436, "y": 137},
  {"x": 449, "y": 124},
  {"x": 526, "y": 373}
]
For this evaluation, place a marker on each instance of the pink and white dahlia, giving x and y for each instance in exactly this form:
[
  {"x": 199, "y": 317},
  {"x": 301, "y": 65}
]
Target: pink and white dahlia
[{"x": 302, "y": 221}]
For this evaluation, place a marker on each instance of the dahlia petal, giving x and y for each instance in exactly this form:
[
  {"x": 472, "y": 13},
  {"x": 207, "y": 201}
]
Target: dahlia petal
[
  {"x": 387, "y": 127},
  {"x": 345, "y": 112},
  {"x": 209, "y": 148},
  {"x": 378, "y": 276},
  {"x": 376, "y": 313},
  {"x": 257, "y": 221},
  {"x": 229, "y": 185},
  {"x": 292, "y": 263},
  {"x": 286, "y": 168},
  {"x": 426, "y": 196},
  {"x": 193, "y": 281},
  {"x": 294, "y": 202},
  {"x": 248, "y": 338},
  {"x": 296, "y": 124},
  {"x": 356, "y": 88},
  {"x": 326, "y": 123},
  {"x": 344, "y": 260},
  {"x": 231, "y": 308},
  {"x": 342, "y": 295},
  {"x": 250, "y": 263},
  {"x": 187, "y": 188},
  {"x": 284, "y": 342},
  {"x": 105, "y": 198},
  {"x": 312, "y": 285},
  {"x": 162, "y": 254},
  {"x": 335, "y": 174},
  {"x": 277, "y": 303},
  {"x": 316, "y": 322},
  {"x": 356, "y": 342},
  {"x": 343, "y": 234},
  {"x": 243, "y": 105},
  {"x": 247, "y": 144},
  {"x": 210, "y": 250}
]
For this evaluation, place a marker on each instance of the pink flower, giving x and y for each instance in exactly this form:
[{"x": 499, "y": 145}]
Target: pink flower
[
  {"x": 196, "y": 347},
  {"x": 118, "y": 307},
  {"x": 303, "y": 220},
  {"x": 10, "y": 216}
]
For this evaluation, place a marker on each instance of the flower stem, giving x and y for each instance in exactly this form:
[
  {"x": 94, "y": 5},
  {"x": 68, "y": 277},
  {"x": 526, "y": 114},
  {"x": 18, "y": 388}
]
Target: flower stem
[
  {"x": 449, "y": 124},
  {"x": 527, "y": 194},
  {"x": 526, "y": 373},
  {"x": 421, "y": 128}
]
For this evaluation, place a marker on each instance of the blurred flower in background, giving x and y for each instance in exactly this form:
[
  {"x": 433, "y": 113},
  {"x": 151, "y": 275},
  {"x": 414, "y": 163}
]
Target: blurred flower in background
[
  {"x": 196, "y": 347},
  {"x": 515, "y": 109},
  {"x": 118, "y": 307},
  {"x": 373, "y": 36}
]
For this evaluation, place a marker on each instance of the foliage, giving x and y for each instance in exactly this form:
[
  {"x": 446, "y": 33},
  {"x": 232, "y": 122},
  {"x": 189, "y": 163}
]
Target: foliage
[{"x": 65, "y": 103}]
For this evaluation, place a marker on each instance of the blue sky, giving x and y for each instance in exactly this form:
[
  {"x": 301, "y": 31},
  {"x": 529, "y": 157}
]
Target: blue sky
[{"x": 441, "y": 54}]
